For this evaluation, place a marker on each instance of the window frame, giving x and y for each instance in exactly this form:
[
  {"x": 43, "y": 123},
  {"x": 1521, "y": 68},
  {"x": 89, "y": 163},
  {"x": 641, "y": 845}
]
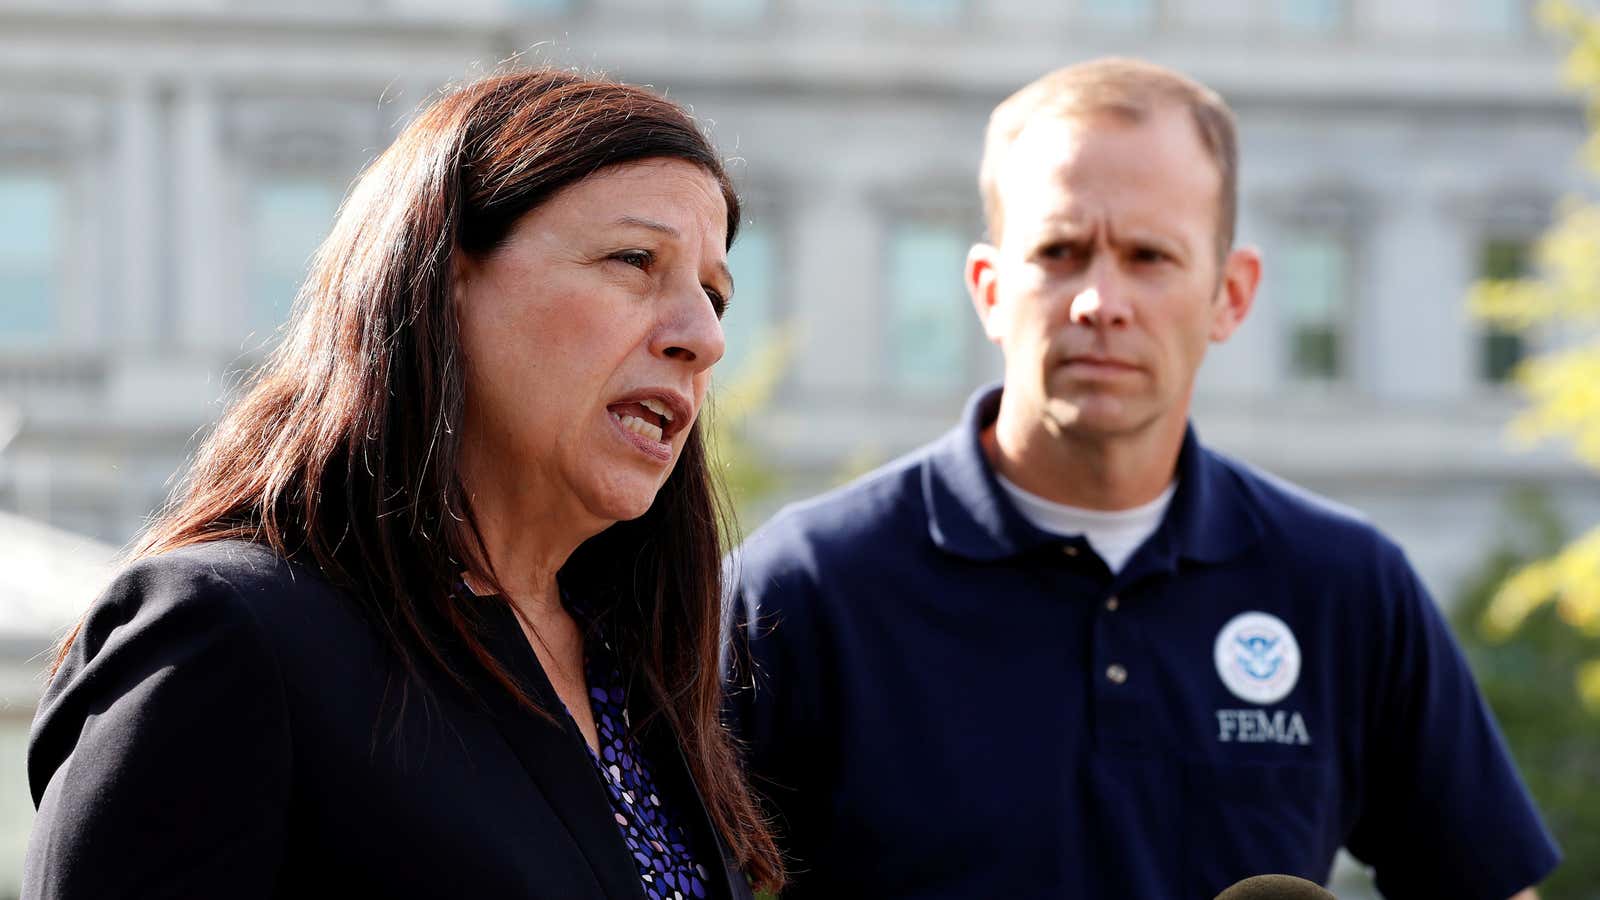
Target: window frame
[
  {"x": 1342, "y": 211},
  {"x": 60, "y": 330},
  {"x": 961, "y": 219},
  {"x": 1152, "y": 20},
  {"x": 1484, "y": 332},
  {"x": 1342, "y": 23},
  {"x": 764, "y": 211},
  {"x": 249, "y": 307}
]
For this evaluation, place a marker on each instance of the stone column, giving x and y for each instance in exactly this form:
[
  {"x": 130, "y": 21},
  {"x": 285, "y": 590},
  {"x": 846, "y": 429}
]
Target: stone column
[
  {"x": 139, "y": 312},
  {"x": 203, "y": 302}
]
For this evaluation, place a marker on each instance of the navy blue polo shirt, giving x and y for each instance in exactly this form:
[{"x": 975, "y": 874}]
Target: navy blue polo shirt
[{"x": 940, "y": 700}]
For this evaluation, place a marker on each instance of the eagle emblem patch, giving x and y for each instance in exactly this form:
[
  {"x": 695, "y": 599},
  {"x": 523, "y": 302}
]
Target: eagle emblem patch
[{"x": 1257, "y": 657}]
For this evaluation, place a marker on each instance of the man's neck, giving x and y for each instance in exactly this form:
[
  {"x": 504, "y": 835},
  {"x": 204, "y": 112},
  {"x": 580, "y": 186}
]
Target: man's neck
[{"x": 1089, "y": 472}]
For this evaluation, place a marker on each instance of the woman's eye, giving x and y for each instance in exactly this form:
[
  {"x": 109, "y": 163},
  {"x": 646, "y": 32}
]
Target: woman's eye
[
  {"x": 639, "y": 259},
  {"x": 718, "y": 302}
]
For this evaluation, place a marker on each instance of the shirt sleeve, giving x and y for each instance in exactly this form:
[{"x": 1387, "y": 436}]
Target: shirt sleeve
[
  {"x": 160, "y": 755},
  {"x": 1443, "y": 812}
]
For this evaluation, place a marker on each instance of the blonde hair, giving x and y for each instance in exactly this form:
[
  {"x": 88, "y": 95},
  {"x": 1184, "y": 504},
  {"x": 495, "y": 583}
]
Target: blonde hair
[{"x": 1128, "y": 89}]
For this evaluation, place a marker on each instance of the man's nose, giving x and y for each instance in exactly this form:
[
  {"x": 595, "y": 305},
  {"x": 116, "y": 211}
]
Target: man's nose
[{"x": 1100, "y": 305}]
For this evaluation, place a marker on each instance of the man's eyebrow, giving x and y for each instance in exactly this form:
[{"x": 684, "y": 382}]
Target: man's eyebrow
[
  {"x": 651, "y": 224},
  {"x": 1165, "y": 240}
]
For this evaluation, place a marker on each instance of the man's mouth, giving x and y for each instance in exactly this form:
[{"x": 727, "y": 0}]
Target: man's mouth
[{"x": 1101, "y": 362}]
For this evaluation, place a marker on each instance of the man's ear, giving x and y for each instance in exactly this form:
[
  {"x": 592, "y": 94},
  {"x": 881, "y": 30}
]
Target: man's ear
[
  {"x": 1236, "y": 293},
  {"x": 981, "y": 273}
]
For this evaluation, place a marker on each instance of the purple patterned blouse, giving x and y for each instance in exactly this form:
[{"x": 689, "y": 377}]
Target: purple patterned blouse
[{"x": 653, "y": 833}]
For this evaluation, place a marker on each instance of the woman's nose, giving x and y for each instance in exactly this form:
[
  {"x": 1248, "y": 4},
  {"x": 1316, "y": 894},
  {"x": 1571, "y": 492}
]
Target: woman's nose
[{"x": 691, "y": 332}]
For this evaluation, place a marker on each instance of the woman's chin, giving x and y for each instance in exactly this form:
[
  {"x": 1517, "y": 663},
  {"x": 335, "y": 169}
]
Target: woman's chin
[{"x": 619, "y": 502}]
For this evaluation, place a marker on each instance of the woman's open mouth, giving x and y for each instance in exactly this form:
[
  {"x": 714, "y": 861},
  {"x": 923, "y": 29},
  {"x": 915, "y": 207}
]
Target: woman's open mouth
[
  {"x": 650, "y": 422},
  {"x": 649, "y": 418}
]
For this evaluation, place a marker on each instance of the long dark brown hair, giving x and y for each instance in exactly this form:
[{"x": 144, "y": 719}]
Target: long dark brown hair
[{"x": 344, "y": 449}]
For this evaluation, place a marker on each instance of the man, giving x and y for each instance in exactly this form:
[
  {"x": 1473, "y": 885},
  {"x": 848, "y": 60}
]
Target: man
[{"x": 1067, "y": 651}]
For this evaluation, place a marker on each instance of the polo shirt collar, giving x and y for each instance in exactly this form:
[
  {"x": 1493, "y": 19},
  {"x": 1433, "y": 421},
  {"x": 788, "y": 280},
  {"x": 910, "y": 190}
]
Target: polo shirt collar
[{"x": 971, "y": 516}]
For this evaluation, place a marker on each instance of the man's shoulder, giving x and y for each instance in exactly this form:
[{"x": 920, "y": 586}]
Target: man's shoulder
[
  {"x": 859, "y": 520},
  {"x": 1297, "y": 518}
]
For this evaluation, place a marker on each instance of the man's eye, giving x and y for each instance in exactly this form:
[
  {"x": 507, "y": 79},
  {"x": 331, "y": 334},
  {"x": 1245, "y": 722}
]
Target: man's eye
[
  {"x": 1059, "y": 251},
  {"x": 1149, "y": 255}
]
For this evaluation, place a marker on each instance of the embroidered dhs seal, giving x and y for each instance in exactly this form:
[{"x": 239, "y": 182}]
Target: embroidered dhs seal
[{"x": 1257, "y": 657}]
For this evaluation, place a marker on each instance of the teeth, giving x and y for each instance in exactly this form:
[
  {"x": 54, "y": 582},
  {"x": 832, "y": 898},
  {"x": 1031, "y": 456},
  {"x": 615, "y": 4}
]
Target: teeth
[
  {"x": 657, "y": 407},
  {"x": 640, "y": 427}
]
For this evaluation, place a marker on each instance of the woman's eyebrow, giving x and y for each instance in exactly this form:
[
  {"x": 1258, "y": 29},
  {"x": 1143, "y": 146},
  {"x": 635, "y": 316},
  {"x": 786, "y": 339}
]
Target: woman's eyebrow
[
  {"x": 664, "y": 228},
  {"x": 651, "y": 224}
]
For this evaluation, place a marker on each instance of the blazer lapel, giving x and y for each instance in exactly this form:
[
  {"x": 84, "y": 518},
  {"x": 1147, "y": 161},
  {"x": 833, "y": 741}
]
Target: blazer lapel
[
  {"x": 671, "y": 763},
  {"x": 555, "y": 756}
]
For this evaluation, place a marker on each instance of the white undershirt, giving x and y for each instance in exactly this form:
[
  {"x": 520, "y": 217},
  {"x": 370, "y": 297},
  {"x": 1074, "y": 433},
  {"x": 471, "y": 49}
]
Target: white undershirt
[{"x": 1113, "y": 535}]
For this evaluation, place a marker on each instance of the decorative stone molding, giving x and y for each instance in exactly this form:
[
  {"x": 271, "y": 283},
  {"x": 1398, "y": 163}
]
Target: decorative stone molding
[
  {"x": 52, "y": 129},
  {"x": 332, "y": 135}
]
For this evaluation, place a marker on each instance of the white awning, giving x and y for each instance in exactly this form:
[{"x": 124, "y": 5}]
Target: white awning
[{"x": 48, "y": 577}]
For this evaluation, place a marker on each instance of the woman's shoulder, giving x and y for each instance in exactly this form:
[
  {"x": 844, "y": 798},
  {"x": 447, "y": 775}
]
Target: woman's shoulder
[
  {"x": 227, "y": 578},
  {"x": 216, "y": 589},
  {"x": 231, "y": 565},
  {"x": 171, "y": 697}
]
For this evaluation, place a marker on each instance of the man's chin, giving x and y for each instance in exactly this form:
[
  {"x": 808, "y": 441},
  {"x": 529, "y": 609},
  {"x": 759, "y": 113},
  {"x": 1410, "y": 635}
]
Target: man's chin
[{"x": 1098, "y": 417}]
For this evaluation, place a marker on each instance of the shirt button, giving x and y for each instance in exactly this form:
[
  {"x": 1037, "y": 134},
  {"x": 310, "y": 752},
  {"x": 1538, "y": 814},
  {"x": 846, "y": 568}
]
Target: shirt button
[
  {"x": 1112, "y": 603},
  {"x": 1116, "y": 674},
  {"x": 1069, "y": 550}
]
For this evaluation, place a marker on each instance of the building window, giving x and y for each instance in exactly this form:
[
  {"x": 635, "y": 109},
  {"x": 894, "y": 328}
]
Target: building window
[
  {"x": 1312, "y": 290},
  {"x": 1117, "y": 13},
  {"x": 928, "y": 12},
  {"x": 541, "y": 7},
  {"x": 731, "y": 10},
  {"x": 929, "y": 314},
  {"x": 1494, "y": 18},
  {"x": 1500, "y": 350},
  {"x": 751, "y": 316},
  {"x": 1310, "y": 15},
  {"x": 30, "y": 258},
  {"x": 289, "y": 216}
]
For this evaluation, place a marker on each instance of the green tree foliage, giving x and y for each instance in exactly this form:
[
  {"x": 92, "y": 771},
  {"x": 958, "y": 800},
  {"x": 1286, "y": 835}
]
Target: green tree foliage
[
  {"x": 1528, "y": 679},
  {"x": 1561, "y": 300},
  {"x": 749, "y": 477},
  {"x": 753, "y": 481}
]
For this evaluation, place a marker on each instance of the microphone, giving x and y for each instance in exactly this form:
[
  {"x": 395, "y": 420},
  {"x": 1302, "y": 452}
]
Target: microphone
[{"x": 1276, "y": 887}]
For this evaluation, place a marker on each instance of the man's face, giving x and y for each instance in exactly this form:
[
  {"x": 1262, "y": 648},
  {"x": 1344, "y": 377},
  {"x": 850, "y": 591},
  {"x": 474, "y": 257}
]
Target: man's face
[{"x": 1106, "y": 286}]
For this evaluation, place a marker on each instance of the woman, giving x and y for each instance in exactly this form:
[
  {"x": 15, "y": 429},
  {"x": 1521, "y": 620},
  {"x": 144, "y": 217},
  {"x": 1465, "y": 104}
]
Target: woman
[{"x": 437, "y": 611}]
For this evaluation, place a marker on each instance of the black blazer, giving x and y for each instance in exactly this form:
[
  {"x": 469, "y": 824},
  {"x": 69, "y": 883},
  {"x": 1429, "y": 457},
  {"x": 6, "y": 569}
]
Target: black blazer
[{"x": 216, "y": 732}]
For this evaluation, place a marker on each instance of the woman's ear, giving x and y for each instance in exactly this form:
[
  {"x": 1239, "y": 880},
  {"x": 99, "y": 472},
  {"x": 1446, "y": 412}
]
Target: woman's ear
[{"x": 461, "y": 269}]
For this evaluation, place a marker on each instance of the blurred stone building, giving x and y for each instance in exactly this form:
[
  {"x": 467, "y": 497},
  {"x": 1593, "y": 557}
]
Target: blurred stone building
[{"x": 166, "y": 167}]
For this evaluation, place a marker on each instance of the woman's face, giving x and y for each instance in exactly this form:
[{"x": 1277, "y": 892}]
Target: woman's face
[{"x": 589, "y": 336}]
